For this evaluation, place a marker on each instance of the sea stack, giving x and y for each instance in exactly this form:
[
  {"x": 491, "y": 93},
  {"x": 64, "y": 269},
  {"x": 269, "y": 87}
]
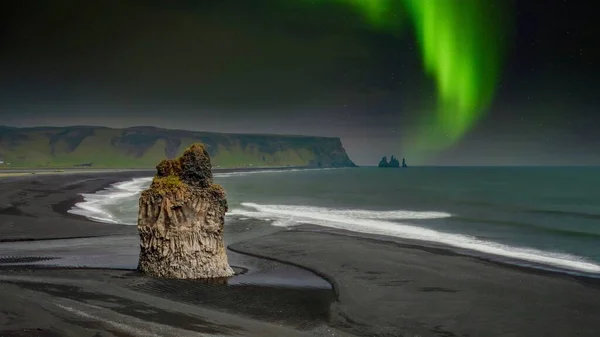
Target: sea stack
[
  {"x": 392, "y": 163},
  {"x": 181, "y": 218}
]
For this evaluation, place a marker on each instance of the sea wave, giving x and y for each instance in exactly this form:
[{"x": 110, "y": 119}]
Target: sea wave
[
  {"x": 543, "y": 211},
  {"x": 373, "y": 222},
  {"x": 101, "y": 207},
  {"x": 98, "y": 206},
  {"x": 537, "y": 227}
]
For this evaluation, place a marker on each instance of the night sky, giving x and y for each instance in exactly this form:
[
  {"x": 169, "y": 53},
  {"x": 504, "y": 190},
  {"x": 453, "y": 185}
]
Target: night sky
[{"x": 293, "y": 67}]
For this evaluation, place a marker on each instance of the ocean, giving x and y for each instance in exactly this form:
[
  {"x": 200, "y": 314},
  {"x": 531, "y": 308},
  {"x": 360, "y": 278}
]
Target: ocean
[{"x": 545, "y": 218}]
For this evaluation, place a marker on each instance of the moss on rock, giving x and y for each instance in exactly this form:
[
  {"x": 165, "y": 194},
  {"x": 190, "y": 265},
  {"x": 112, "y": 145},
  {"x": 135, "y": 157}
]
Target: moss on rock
[
  {"x": 168, "y": 167},
  {"x": 181, "y": 218},
  {"x": 193, "y": 169},
  {"x": 168, "y": 184}
]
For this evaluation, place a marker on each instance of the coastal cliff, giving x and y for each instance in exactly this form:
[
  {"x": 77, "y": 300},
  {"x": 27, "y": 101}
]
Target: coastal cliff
[
  {"x": 143, "y": 147},
  {"x": 181, "y": 218}
]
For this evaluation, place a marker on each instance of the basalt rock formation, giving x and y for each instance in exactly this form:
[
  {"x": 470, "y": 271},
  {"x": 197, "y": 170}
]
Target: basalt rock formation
[
  {"x": 180, "y": 220},
  {"x": 392, "y": 163}
]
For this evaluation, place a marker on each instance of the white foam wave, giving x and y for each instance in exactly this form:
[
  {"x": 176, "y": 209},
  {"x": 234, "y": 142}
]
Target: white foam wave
[
  {"x": 95, "y": 206},
  {"x": 373, "y": 222}
]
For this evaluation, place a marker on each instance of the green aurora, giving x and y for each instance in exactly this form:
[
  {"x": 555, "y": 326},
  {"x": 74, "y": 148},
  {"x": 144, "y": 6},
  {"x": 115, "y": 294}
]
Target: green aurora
[{"x": 462, "y": 46}]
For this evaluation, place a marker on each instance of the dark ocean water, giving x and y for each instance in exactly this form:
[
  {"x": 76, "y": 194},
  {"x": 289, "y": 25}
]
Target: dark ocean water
[{"x": 541, "y": 216}]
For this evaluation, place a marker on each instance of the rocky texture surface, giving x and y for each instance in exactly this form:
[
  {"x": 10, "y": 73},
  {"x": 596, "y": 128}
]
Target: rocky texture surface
[
  {"x": 180, "y": 220},
  {"x": 392, "y": 163}
]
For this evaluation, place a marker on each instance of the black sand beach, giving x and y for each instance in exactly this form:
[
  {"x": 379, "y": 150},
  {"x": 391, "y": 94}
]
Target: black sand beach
[
  {"x": 390, "y": 288},
  {"x": 58, "y": 298},
  {"x": 381, "y": 287}
]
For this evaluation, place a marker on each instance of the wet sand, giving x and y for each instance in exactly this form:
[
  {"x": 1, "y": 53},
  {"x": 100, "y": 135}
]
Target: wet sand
[
  {"x": 381, "y": 286},
  {"x": 45, "y": 292},
  {"x": 388, "y": 287},
  {"x": 34, "y": 207},
  {"x": 71, "y": 301}
]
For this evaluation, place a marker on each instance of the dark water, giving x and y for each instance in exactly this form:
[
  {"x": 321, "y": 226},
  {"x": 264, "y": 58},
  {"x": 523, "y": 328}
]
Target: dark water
[{"x": 545, "y": 216}]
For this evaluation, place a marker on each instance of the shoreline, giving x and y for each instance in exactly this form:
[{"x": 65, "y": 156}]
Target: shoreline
[
  {"x": 20, "y": 172},
  {"x": 588, "y": 280},
  {"x": 64, "y": 206},
  {"x": 509, "y": 262},
  {"x": 28, "y": 202},
  {"x": 442, "y": 249},
  {"x": 432, "y": 246},
  {"x": 382, "y": 286},
  {"x": 67, "y": 194},
  {"x": 535, "y": 268},
  {"x": 26, "y": 270},
  {"x": 421, "y": 283}
]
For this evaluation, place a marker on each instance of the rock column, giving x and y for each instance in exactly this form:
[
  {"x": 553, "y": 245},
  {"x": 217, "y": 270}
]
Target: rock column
[{"x": 181, "y": 218}]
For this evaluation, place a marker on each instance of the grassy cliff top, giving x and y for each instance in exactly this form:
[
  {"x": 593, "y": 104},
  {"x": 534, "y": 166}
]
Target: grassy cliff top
[{"x": 143, "y": 147}]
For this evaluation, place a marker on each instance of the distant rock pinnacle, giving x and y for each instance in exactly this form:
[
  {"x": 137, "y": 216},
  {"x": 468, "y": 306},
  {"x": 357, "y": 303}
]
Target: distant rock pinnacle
[{"x": 392, "y": 163}]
